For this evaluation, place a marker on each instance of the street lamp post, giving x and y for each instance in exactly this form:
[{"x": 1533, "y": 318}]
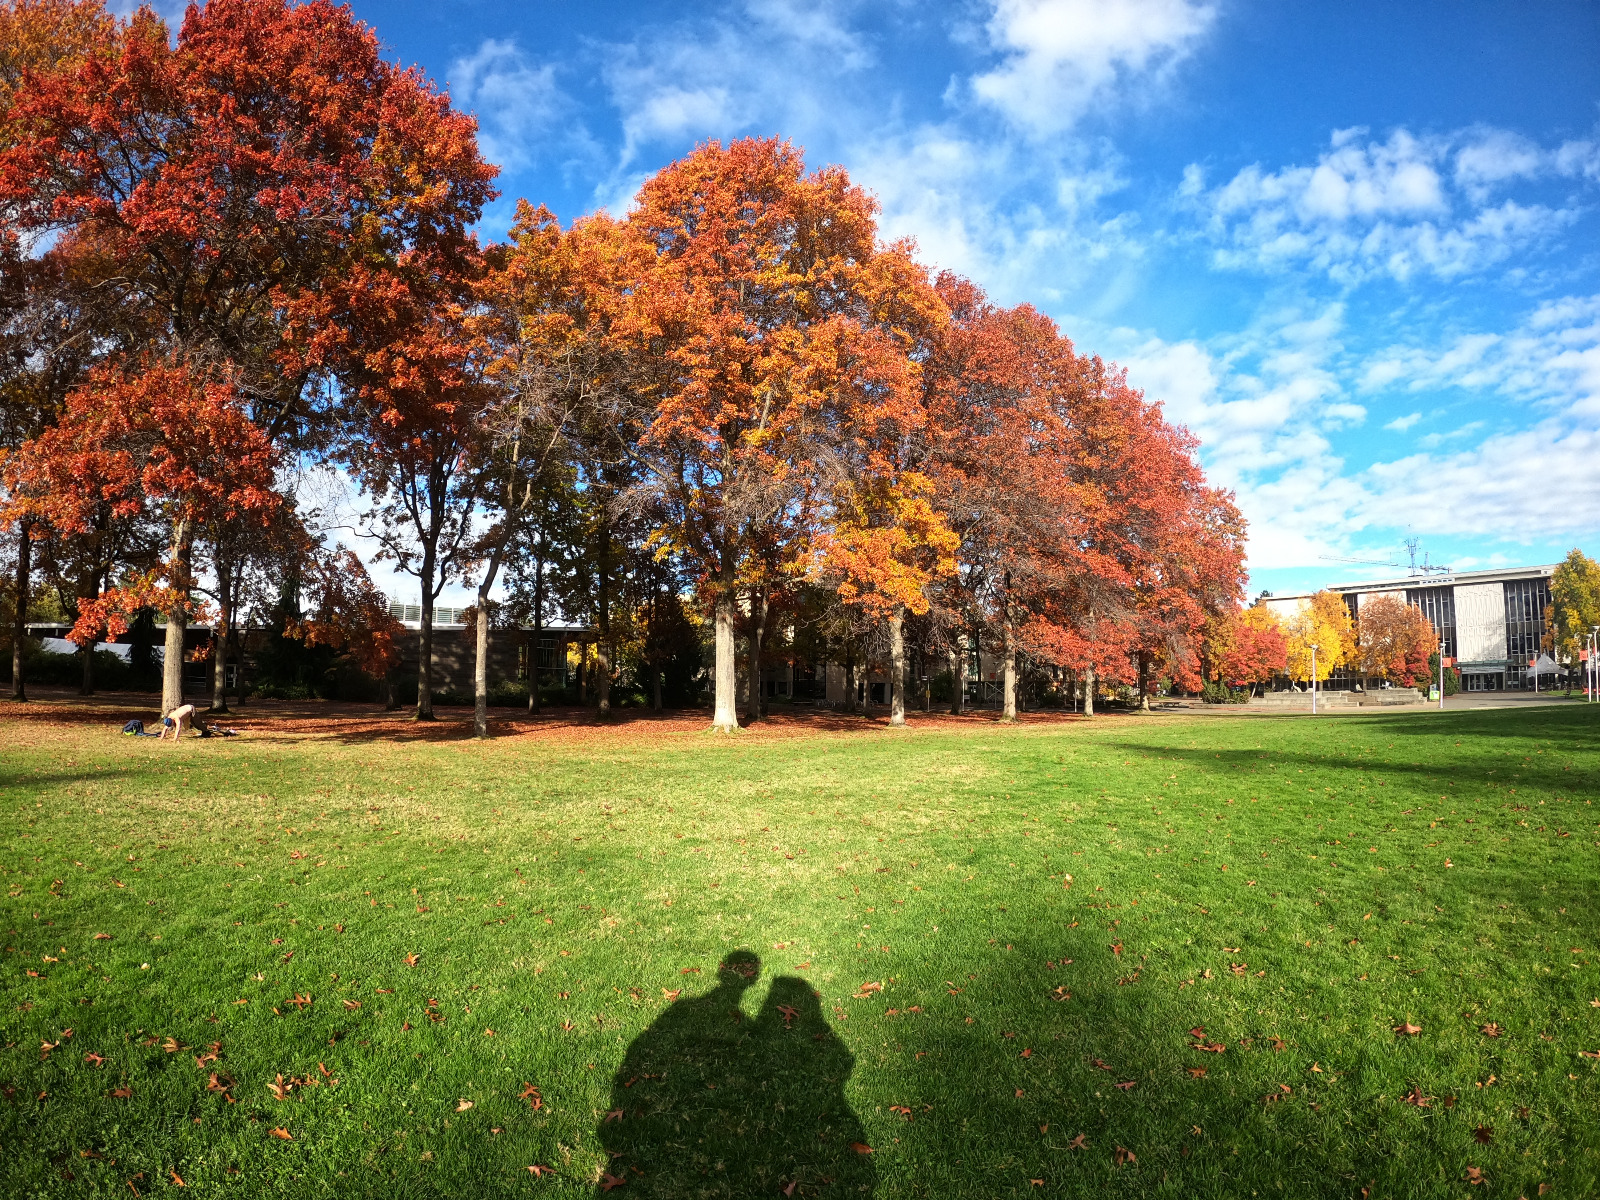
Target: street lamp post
[
  {"x": 1594, "y": 665},
  {"x": 1313, "y": 679},
  {"x": 1441, "y": 674}
]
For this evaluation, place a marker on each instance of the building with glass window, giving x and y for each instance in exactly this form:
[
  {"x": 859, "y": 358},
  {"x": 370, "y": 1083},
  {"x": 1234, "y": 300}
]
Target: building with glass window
[{"x": 1492, "y": 622}]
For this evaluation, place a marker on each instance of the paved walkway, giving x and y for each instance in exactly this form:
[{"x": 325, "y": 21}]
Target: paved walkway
[{"x": 1462, "y": 701}]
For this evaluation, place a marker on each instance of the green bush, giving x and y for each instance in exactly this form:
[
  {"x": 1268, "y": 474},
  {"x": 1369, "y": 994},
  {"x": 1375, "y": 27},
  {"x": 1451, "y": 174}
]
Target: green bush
[{"x": 1217, "y": 692}]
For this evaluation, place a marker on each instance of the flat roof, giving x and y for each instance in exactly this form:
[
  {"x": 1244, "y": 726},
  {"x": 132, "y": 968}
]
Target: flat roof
[{"x": 1435, "y": 579}]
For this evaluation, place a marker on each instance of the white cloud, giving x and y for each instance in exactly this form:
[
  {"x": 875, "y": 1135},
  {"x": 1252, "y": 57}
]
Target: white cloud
[
  {"x": 771, "y": 66},
  {"x": 1401, "y": 424},
  {"x": 1405, "y": 207},
  {"x": 518, "y": 104},
  {"x": 1063, "y": 56}
]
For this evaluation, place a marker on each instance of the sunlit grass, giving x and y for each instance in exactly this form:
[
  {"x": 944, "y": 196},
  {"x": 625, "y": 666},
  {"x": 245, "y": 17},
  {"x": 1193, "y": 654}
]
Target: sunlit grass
[{"x": 1294, "y": 889}]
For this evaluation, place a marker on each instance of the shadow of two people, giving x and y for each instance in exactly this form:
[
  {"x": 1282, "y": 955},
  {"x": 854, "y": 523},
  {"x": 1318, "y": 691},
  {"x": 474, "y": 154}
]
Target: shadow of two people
[{"x": 710, "y": 1102}]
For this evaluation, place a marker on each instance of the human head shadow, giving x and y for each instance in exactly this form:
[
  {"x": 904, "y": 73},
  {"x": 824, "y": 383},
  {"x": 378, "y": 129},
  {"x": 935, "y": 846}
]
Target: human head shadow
[{"x": 711, "y": 1102}]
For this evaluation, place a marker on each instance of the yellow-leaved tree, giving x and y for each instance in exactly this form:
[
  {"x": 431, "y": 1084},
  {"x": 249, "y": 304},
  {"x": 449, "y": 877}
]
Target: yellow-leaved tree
[{"x": 1325, "y": 623}]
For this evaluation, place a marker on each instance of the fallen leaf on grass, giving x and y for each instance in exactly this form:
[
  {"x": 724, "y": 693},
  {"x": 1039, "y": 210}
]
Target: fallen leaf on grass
[
  {"x": 531, "y": 1095},
  {"x": 1195, "y": 1072},
  {"x": 611, "y": 1182},
  {"x": 1128, "y": 1085},
  {"x": 539, "y": 1170},
  {"x": 1027, "y": 1053},
  {"x": 1490, "y": 1030},
  {"x": 861, "y": 1147},
  {"x": 1474, "y": 1174},
  {"x": 1483, "y": 1133},
  {"x": 671, "y": 993},
  {"x": 281, "y": 1134},
  {"x": 177, "y": 1180},
  {"x": 1209, "y": 1047},
  {"x": 94, "y": 1060},
  {"x": 410, "y": 960},
  {"x": 300, "y": 1001},
  {"x": 102, "y": 937},
  {"x": 463, "y": 1105},
  {"x": 1078, "y": 1143},
  {"x": 615, "y": 1114},
  {"x": 1415, "y": 1097},
  {"x": 1123, "y": 1155},
  {"x": 172, "y": 1045},
  {"x": 1406, "y": 1028},
  {"x": 788, "y": 1012},
  {"x": 1589, "y": 1053},
  {"x": 121, "y": 1093},
  {"x": 280, "y": 1089},
  {"x": 351, "y": 1005},
  {"x": 901, "y": 1109}
]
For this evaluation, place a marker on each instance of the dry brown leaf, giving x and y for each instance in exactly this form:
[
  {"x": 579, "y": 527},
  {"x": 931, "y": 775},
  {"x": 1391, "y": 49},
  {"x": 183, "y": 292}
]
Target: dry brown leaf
[
  {"x": 463, "y": 1105},
  {"x": 1123, "y": 1155},
  {"x": 861, "y": 1147},
  {"x": 281, "y": 1134},
  {"x": 1406, "y": 1028}
]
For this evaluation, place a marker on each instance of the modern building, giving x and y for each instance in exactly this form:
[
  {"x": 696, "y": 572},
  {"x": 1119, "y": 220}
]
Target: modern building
[{"x": 1492, "y": 622}]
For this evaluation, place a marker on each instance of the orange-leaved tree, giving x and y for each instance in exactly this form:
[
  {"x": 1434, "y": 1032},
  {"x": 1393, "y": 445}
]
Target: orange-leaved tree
[
  {"x": 777, "y": 326},
  {"x": 163, "y": 441},
  {"x": 1393, "y": 640},
  {"x": 1258, "y": 649}
]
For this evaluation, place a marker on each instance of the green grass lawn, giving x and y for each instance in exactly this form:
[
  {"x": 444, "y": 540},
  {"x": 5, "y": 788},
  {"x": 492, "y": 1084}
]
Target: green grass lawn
[{"x": 227, "y": 930}]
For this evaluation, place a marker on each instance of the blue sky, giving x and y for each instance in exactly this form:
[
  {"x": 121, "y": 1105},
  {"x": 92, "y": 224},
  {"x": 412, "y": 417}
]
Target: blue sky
[{"x": 1353, "y": 246}]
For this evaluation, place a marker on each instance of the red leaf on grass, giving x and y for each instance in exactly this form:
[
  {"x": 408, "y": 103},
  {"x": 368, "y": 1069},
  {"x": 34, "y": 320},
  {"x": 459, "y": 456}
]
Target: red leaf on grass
[
  {"x": 861, "y": 1147},
  {"x": 1406, "y": 1028}
]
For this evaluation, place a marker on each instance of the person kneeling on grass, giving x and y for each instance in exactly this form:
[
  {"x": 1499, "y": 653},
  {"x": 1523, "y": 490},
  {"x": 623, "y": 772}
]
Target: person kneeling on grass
[{"x": 176, "y": 721}]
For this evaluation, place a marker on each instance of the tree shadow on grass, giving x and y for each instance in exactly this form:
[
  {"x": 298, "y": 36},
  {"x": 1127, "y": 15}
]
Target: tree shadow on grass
[{"x": 708, "y": 1102}]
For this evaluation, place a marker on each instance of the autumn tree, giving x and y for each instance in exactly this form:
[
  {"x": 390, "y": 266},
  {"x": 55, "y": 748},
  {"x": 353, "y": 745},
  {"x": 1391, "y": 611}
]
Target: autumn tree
[
  {"x": 1393, "y": 640},
  {"x": 1323, "y": 622},
  {"x": 345, "y": 611},
  {"x": 274, "y": 201},
  {"x": 1257, "y": 647},
  {"x": 1574, "y": 604},
  {"x": 166, "y": 441},
  {"x": 774, "y": 321}
]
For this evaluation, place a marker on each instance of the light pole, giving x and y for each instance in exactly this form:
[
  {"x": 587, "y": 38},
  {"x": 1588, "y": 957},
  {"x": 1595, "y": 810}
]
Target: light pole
[
  {"x": 1441, "y": 674},
  {"x": 1594, "y": 667},
  {"x": 1313, "y": 679}
]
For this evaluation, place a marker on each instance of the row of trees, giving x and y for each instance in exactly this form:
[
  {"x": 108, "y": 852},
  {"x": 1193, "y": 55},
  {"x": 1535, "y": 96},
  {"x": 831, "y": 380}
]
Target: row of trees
[
  {"x": 1390, "y": 640},
  {"x": 234, "y": 257}
]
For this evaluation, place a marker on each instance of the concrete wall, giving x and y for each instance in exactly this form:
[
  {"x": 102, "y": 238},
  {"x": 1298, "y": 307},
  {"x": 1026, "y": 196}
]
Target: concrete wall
[{"x": 1480, "y": 622}]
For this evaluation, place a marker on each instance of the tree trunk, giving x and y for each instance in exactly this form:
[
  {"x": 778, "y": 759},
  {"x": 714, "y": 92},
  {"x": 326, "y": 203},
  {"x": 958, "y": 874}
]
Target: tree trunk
[
  {"x": 1008, "y": 711},
  {"x": 758, "y": 633},
  {"x": 850, "y": 682},
  {"x": 1144, "y": 681},
  {"x": 602, "y": 645},
  {"x": 177, "y": 619},
  {"x": 655, "y": 691},
  {"x": 19, "y": 623},
  {"x": 425, "y": 641},
  {"x": 897, "y": 667},
  {"x": 238, "y": 636},
  {"x": 480, "y": 662},
  {"x": 535, "y": 647},
  {"x": 958, "y": 677},
  {"x": 219, "y": 639},
  {"x": 725, "y": 679},
  {"x": 88, "y": 593},
  {"x": 1088, "y": 691}
]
